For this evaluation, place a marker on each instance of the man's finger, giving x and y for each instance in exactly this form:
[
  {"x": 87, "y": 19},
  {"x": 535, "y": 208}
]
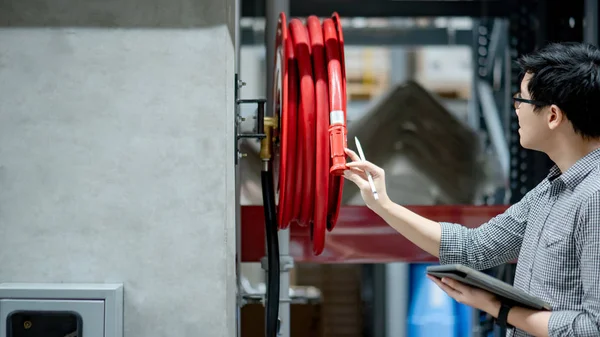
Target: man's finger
[
  {"x": 447, "y": 289},
  {"x": 352, "y": 154},
  {"x": 452, "y": 292},
  {"x": 358, "y": 171},
  {"x": 435, "y": 280},
  {"x": 439, "y": 283},
  {"x": 367, "y": 167},
  {"x": 459, "y": 286},
  {"x": 355, "y": 178},
  {"x": 364, "y": 165}
]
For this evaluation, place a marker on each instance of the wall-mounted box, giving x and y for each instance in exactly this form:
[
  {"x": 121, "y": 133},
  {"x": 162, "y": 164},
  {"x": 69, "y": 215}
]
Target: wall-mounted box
[{"x": 61, "y": 310}]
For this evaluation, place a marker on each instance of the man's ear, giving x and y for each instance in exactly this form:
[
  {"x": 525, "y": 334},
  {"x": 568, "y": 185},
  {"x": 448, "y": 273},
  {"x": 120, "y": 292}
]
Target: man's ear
[{"x": 555, "y": 117}]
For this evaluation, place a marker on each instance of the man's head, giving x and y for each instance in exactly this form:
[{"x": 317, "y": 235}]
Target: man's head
[{"x": 559, "y": 94}]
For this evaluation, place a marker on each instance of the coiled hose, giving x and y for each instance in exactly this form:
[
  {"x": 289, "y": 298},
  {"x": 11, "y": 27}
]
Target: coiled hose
[{"x": 271, "y": 227}]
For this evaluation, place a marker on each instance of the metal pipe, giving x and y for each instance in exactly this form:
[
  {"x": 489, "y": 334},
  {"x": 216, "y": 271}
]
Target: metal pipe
[
  {"x": 494, "y": 125},
  {"x": 590, "y": 32},
  {"x": 496, "y": 37},
  {"x": 508, "y": 107},
  {"x": 273, "y": 8},
  {"x": 396, "y": 275},
  {"x": 473, "y": 104},
  {"x": 397, "y": 297}
]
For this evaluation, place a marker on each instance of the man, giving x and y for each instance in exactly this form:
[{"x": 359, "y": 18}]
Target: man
[{"x": 554, "y": 231}]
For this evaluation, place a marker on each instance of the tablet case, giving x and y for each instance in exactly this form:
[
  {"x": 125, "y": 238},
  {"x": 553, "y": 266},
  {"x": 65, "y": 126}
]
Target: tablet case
[{"x": 504, "y": 291}]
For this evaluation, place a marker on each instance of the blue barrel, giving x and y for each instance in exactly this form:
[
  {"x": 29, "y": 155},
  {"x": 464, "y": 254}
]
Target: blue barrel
[{"x": 431, "y": 312}]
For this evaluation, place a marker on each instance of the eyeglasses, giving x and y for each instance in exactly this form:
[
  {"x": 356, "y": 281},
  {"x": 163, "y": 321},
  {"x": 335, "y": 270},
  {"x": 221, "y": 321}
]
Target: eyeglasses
[{"x": 517, "y": 100}]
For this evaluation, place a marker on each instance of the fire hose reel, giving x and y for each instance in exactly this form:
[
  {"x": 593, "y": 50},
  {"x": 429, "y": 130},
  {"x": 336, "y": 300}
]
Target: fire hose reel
[{"x": 309, "y": 92}]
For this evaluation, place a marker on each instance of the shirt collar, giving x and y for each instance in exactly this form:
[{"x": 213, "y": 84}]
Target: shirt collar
[{"x": 576, "y": 173}]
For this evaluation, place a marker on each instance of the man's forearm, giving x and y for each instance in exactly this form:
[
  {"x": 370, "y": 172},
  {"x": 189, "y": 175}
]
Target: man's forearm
[
  {"x": 421, "y": 231},
  {"x": 534, "y": 322}
]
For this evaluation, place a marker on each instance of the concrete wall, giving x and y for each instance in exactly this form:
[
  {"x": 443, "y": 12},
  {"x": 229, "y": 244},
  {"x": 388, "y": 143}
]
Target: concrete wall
[{"x": 116, "y": 155}]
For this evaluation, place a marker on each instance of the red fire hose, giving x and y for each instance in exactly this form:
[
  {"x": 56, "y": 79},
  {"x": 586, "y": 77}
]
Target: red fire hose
[{"x": 310, "y": 94}]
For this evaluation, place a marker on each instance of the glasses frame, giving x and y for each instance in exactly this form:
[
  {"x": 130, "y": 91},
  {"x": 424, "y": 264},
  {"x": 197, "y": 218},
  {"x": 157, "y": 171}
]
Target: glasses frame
[{"x": 517, "y": 100}]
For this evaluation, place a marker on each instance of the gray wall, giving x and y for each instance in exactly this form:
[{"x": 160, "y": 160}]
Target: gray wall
[{"x": 116, "y": 160}]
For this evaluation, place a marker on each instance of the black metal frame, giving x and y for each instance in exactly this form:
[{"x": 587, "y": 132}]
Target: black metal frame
[
  {"x": 385, "y": 8},
  {"x": 523, "y": 39},
  {"x": 384, "y": 36},
  {"x": 534, "y": 24},
  {"x": 480, "y": 51}
]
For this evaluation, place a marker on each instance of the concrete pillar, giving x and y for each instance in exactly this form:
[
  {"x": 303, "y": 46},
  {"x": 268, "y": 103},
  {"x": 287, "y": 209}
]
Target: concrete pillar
[{"x": 116, "y": 155}]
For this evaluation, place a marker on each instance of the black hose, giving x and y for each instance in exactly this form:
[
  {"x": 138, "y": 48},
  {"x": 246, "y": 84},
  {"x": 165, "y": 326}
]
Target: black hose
[{"x": 271, "y": 227}]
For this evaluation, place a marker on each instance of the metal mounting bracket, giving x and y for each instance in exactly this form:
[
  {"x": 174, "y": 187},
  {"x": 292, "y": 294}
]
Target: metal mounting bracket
[{"x": 259, "y": 132}]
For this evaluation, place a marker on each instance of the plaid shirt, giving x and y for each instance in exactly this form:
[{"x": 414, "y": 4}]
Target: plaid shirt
[{"x": 554, "y": 231}]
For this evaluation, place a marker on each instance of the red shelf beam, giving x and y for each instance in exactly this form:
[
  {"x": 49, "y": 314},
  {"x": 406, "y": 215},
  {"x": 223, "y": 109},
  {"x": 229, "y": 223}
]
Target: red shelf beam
[{"x": 360, "y": 236}]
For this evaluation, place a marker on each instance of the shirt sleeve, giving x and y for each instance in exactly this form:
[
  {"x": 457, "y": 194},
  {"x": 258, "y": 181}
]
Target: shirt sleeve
[
  {"x": 586, "y": 322},
  {"x": 496, "y": 242}
]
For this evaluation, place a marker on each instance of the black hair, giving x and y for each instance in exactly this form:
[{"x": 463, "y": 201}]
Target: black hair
[{"x": 567, "y": 75}]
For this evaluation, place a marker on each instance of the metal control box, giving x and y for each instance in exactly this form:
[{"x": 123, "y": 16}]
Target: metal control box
[{"x": 61, "y": 309}]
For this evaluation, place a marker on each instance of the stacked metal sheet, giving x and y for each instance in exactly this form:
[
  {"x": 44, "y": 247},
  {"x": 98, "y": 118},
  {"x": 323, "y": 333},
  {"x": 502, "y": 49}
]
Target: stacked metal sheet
[{"x": 430, "y": 156}]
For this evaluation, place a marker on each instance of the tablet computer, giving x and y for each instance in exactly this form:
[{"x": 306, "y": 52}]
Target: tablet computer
[{"x": 504, "y": 291}]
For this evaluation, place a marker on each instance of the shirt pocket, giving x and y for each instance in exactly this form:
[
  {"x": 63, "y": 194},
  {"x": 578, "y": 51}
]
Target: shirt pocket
[
  {"x": 552, "y": 239},
  {"x": 556, "y": 261}
]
